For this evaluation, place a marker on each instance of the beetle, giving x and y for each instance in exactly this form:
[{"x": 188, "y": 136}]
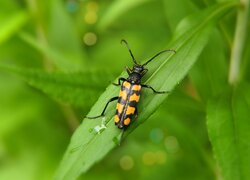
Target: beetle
[{"x": 130, "y": 92}]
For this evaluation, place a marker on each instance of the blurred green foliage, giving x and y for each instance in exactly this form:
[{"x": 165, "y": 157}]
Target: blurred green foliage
[{"x": 57, "y": 57}]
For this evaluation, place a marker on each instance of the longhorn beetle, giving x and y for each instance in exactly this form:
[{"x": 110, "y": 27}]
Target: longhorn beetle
[{"x": 130, "y": 92}]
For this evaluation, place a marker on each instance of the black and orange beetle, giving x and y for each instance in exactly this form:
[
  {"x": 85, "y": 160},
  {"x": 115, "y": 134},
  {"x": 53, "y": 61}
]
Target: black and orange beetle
[{"x": 130, "y": 92}]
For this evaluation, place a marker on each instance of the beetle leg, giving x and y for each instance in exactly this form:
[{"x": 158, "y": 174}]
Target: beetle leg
[
  {"x": 129, "y": 71},
  {"x": 119, "y": 81},
  {"x": 150, "y": 87},
  {"x": 112, "y": 99}
]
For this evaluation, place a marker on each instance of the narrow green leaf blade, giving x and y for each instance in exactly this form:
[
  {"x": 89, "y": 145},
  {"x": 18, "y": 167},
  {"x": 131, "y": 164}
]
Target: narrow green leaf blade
[
  {"x": 173, "y": 16},
  {"x": 241, "y": 109},
  {"x": 12, "y": 24},
  {"x": 72, "y": 88},
  {"x": 63, "y": 36},
  {"x": 209, "y": 74},
  {"x": 87, "y": 146},
  {"x": 116, "y": 9},
  {"x": 228, "y": 128},
  {"x": 53, "y": 55}
]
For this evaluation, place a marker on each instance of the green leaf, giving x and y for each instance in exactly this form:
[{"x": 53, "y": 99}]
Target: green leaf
[
  {"x": 173, "y": 16},
  {"x": 228, "y": 128},
  {"x": 185, "y": 118},
  {"x": 11, "y": 24},
  {"x": 61, "y": 43},
  {"x": 63, "y": 36},
  {"x": 53, "y": 55},
  {"x": 87, "y": 146},
  {"x": 79, "y": 89},
  {"x": 209, "y": 74},
  {"x": 116, "y": 9}
]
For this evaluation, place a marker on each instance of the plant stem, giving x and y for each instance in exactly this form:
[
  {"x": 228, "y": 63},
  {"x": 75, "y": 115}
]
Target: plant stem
[
  {"x": 70, "y": 116},
  {"x": 68, "y": 111},
  {"x": 41, "y": 35},
  {"x": 239, "y": 41}
]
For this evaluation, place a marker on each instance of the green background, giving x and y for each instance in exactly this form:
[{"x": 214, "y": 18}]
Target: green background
[{"x": 57, "y": 57}]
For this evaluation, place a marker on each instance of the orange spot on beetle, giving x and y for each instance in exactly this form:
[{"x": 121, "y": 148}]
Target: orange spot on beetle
[
  {"x": 134, "y": 97},
  {"x": 119, "y": 108},
  {"x": 123, "y": 94},
  {"x": 127, "y": 121},
  {"x": 130, "y": 110},
  {"x": 136, "y": 87},
  {"x": 117, "y": 119},
  {"x": 126, "y": 84}
]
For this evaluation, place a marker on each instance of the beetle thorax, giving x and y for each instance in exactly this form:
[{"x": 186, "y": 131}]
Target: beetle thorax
[
  {"x": 138, "y": 69},
  {"x": 137, "y": 73},
  {"x": 134, "y": 78}
]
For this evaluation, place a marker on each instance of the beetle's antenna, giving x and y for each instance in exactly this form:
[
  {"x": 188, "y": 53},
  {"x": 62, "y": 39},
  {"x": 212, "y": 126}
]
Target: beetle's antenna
[
  {"x": 124, "y": 41},
  {"x": 168, "y": 50}
]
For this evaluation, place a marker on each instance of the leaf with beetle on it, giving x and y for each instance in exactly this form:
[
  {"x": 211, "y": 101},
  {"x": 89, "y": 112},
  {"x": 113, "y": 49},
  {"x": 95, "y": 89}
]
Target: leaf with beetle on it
[{"x": 88, "y": 146}]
